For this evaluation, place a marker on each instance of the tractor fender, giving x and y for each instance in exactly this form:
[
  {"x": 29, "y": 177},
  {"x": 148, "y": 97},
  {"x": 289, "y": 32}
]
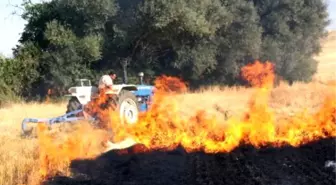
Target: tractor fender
[{"x": 82, "y": 94}]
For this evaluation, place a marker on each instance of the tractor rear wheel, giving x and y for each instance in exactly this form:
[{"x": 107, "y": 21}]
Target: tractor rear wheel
[{"x": 73, "y": 105}]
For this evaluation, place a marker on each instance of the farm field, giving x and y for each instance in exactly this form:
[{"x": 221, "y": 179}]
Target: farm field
[
  {"x": 23, "y": 162},
  {"x": 327, "y": 58}
]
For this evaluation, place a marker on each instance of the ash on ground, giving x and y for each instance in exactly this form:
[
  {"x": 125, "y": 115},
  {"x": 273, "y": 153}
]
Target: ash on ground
[{"x": 245, "y": 165}]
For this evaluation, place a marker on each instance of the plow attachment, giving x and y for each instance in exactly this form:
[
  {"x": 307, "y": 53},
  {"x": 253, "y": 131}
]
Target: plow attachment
[{"x": 51, "y": 121}]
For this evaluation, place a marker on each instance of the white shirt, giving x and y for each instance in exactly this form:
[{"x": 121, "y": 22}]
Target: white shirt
[{"x": 104, "y": 81}]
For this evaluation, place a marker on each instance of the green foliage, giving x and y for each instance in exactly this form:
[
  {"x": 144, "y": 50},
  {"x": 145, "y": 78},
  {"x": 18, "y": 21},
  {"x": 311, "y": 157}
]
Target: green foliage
[
  {"x": 68, "y": 57},
  {"x": 7, "y": 95},
  {"x": 203, "y": 41},
  {"x": 239, "y": 42},
  {"x": 292, "y": 30},
  {"x": 9, "y": 81}
]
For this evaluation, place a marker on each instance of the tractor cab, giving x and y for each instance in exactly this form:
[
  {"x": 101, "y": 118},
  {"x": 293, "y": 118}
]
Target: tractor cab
[{"x": 83, "y": 82}]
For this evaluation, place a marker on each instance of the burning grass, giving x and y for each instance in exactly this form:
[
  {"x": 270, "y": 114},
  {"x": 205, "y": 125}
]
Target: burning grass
[
  {"x": 18, "y": 156},
  {"x": 240, "y": 115}
]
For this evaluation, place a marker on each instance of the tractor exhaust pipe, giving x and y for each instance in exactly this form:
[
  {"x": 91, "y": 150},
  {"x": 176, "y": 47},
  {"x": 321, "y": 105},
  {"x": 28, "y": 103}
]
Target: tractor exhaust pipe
[{"x": 141, "y": 75}]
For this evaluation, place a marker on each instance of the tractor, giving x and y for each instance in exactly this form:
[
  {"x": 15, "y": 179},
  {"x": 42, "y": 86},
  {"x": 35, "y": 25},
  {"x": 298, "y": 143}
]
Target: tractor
[{"x": 128, "y": 100}]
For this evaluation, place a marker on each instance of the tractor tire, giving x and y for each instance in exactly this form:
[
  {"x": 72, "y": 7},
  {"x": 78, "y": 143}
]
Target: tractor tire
[
  {"x": 73, "y": 105},
  {"x": 127, "y": 98},
  {"x": 128, "y": 114}
]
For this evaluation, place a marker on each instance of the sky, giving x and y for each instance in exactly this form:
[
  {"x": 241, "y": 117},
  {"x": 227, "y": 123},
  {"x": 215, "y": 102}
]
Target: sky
[{"x": 11, "y": 25}]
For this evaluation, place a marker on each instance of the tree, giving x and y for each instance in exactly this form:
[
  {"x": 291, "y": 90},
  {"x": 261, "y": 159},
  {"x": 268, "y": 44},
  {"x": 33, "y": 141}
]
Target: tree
[
  {"x": 68, "y": 35},
  {"x": 177, "y": 37},
  {"x": 239, "y": 42},
  {"x": 204, "y": 42},
  {"x": 67, "y": 56},
  {"x": 292, "y": 30}
]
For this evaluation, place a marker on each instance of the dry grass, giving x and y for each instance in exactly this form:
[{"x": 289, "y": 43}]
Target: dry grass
[
  {"x": 284, "y": 99},
  {"x": 327, "y": 58},
  {"x": 18, "y": 156}
]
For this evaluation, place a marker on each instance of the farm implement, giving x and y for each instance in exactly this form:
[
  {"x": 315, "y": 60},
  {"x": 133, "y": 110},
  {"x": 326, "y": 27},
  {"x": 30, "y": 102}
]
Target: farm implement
[
  {"x": 128, "y": 100},
  {"x": 66, "y": 118}
]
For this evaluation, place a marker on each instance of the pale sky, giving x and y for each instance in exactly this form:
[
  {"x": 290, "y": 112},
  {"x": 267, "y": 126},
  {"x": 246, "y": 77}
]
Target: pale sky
[{"x": 12, "y": 25}]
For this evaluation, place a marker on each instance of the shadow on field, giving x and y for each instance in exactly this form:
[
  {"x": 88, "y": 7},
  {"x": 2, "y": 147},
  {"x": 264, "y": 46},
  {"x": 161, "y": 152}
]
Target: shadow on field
[{"x": 245, "y": 165}]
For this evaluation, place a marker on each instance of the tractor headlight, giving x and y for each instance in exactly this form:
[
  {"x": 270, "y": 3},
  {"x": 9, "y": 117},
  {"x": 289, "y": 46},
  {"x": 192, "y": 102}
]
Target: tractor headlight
[{"x": 139, "y": 99}]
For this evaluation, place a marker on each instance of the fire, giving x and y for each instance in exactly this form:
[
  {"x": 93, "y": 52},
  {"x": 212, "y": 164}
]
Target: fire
[
  {"x": 259, "y": 74},
  {"x": 55, "y": 154},
  {"x": 163, "y": 127},
  {"x": 167, "y": 84}
]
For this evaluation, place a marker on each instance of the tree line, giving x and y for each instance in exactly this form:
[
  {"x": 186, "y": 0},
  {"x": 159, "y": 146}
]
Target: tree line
[{"x": 202, "y": 41}]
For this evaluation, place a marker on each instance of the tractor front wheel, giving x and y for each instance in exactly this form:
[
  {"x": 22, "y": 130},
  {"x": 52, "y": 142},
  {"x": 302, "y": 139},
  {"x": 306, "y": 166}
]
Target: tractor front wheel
[
  {"x": 125, "y": 104},
  {"x": 128, "y": 107}
]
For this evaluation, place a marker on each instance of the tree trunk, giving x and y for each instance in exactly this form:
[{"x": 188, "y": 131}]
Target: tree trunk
[{"x": 124, "y": 64}]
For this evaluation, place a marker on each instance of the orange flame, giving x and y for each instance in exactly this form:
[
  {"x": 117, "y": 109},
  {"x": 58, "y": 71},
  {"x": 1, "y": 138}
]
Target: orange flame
[
  {"x": 163, "y": 127},
  {"x": 168, "y": 84},
  {"x": 259, "y": 74},
  {"x": 55, "y": 154}
]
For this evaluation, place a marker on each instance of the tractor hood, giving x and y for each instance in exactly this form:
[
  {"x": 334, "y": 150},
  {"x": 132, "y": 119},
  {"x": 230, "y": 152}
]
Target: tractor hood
[
  {"x": 144, "y": 90},
  {"x": 138, "y": 90}
]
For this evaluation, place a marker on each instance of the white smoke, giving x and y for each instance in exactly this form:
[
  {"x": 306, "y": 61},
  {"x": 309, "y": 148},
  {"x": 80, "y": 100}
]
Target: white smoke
[{"x": 330, "y": 164}]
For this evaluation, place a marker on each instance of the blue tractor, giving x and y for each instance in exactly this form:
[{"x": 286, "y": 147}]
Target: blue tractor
[{"x": 127, "y": 99}]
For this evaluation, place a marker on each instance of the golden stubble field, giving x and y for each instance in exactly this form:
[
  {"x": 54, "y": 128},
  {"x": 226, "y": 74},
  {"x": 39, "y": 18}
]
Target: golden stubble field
[
  {"x": 327, "y": 59},
  {"x": 19, "y": 156}
]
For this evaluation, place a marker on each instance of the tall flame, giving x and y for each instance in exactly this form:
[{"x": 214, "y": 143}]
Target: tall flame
[
  {"x": 163, "y": 126},
  {"x": 259, "y": 74}
]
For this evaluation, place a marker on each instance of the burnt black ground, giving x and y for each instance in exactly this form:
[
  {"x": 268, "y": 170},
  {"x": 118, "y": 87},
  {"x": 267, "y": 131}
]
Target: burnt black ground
[{"x": 245, "y": 165}]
